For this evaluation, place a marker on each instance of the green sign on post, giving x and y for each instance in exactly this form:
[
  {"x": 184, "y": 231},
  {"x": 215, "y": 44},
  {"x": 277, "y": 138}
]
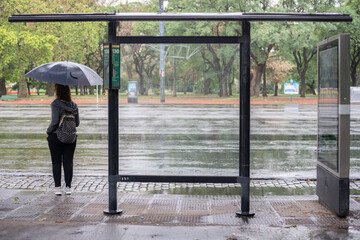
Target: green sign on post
[{"x": 116, "y": 66}]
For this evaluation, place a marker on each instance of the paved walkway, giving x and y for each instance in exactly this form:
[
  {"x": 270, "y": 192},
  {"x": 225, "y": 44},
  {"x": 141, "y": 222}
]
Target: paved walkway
[
  {"x": 30, "y": 210},
  {"x": 99, "y": 184},
  {"x": 30, "y": 214}
]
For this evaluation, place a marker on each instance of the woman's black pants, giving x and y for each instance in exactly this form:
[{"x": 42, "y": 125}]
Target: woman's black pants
[{"x": 61, "y": 152}]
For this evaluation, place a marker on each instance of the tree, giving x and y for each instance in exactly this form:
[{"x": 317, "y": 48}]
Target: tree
[
  {"x": 221, "y": 62},
  {"x": 150, "y": 64},
  {"x": 259, "y": 56},
  {"x": 7, "y": 49},
  {"x": 218, "y": 57},
  {"x": 264, "y": 38},
  {"x": 37, "y": 43},
  {"x": 299, "y": 40},
  {"x": 352, "y": 7},
  {"x": 299, "y": 44},
  {"x": 279, "y": 70},
  {"x": 139, "y": 58}
]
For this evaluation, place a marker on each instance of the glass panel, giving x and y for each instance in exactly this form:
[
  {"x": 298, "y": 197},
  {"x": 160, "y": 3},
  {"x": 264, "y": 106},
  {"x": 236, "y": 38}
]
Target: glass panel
[
  {"x": 328, "y": 121},
  {"x": 185, "y": 135},
  {"x": 186, "y": 28}
]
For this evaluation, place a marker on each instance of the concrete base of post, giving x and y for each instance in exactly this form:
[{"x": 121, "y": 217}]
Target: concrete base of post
[
  {"x": 244, "y": 214},
  {"x": 112, "y": 212}
]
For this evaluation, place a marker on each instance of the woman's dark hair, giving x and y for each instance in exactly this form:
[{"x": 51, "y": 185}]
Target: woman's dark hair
[{"x": 63, "y": 92}]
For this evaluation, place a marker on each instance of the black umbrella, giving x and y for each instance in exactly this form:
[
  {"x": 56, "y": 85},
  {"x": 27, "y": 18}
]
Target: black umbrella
[{"x": 65, "y": 73}]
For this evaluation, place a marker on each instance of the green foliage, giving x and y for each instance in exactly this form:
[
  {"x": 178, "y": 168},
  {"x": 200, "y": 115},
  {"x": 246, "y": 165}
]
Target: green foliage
[{"x": 24, "y": 46}]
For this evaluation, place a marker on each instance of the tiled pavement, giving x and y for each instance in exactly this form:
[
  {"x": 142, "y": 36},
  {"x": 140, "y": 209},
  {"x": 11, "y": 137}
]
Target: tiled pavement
[
  {"x": 29, "y": 210},
  {"x": 100, "y": 183}
]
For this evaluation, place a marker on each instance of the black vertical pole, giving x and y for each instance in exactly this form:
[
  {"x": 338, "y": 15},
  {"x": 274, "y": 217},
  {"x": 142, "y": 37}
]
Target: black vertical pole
[
  {"x": 244, "y": 145},
  {"x": 113, "y": 130}
]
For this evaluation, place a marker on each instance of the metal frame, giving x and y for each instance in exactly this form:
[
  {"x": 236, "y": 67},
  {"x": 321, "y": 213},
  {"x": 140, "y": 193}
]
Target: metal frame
[
  {"x": 239, "y": 16},
  {"x": 244, "y": 144},
  {"x": 244, "y": 41},
  {"x": 178, "y": 39}
]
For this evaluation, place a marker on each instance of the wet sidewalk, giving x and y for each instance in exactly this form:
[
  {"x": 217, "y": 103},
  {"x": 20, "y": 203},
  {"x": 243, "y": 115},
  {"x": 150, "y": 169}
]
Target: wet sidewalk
[
  {"x": 85, "y": 183},
  {"x": 36, "y": 213}
]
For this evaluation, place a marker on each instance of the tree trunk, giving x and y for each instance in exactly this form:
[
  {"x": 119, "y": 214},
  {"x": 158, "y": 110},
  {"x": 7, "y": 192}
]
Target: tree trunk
[
  {"x": 76, "y": 90},
  {"x": 129, "y": 71},
  {"x": 206, "y": 86},
  {"x": 81, "y": 90},
  {"x": 302, "y": 84},
  {"x": 252, "y": 82},
  {"x": 264, "y": 93},
  {"x": 276, "y": 87},
  {"x": 91, "y": 91},
  {"x": 185, "y": 86},
  {"x": 353, "y": 77},
  {"x": 259, "y": 71},
  {"x": 22, "y": 90},
  {"x": 50, "y": 89},
  {"x": 355, "y": 60},
  {"x": 220, "y": 88},
  {"x": 230, "y": 88},
  {"x": 149, "y": 73},
  {"x": 2, "y": 86},
  {"x": 174, "y": 80},
  {"x": 231, "y": 81},
  {"x": 22, "y": 81},
  {"x": 38, "y": 88},
  {"x": 220, "y": 69},
  {"x": 148, "y": 84},
  {"x": 312, "y": 87},
  {"x": 302, "y": 60},
  {"x": 141, "y": 85},
  {"x": 224, "y": 86},
  {"x": 28, "y": 87}
]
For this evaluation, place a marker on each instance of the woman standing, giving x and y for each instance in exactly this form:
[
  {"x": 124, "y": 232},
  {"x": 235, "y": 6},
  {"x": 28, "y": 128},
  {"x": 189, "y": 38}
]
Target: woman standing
[{"x": 61, "y": 152}]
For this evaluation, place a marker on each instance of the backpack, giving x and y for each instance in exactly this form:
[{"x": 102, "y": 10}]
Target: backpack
[{"x": 66, "y": 132}]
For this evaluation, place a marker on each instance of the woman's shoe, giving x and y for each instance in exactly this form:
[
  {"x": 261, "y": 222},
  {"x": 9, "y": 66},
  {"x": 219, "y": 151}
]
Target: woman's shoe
[
  {"x": 68, "y": 191},
  {"x": 58, "y": 191}
]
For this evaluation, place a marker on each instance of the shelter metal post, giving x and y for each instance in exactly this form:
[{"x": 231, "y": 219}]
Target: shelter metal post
[
  {"x": 113, "y": 130},
  {"x": 244, "y": 145}
]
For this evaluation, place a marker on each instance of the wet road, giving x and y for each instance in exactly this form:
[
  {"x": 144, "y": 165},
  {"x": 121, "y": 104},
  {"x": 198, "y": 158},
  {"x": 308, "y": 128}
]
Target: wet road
[{"x": 175, "y": 139}]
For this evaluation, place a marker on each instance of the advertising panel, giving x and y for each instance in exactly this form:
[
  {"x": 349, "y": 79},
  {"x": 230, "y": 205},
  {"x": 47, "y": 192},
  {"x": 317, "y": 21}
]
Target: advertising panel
[{"x": 132, "y": 92}]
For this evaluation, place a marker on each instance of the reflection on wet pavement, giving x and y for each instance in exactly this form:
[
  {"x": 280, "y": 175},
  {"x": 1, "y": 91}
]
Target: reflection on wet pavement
[{"x": 175, "y": 140}]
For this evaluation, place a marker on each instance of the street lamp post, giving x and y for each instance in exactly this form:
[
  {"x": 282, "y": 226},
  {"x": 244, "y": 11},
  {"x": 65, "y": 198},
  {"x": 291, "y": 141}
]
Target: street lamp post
[{"x": 162, "y": 56}]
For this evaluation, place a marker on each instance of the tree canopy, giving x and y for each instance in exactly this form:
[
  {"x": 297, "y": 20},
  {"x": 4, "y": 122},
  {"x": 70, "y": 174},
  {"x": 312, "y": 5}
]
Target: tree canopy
[{"x": 207, "y": 68}]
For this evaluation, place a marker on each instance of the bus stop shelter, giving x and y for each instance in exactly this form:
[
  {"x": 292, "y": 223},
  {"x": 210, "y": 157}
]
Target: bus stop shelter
[{"x": 113, "y": 102}]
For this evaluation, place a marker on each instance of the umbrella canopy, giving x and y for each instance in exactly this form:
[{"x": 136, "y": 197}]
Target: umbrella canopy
[{"x": 65, "y": 73}]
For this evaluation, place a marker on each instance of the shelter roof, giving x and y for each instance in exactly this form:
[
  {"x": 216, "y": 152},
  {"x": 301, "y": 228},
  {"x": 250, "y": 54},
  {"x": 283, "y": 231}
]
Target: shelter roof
[{"x": 239, "y": 16}]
